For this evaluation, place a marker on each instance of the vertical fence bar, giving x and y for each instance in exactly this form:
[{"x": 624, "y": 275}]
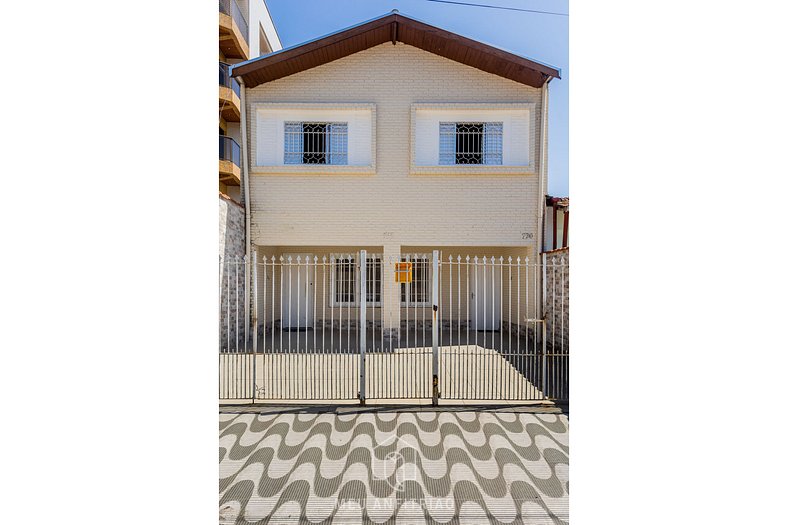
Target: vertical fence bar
[
  {"x": 523, "y": 362},
  {"x": 221, "y": 359},
  {"x": 564, "y": 360},
  {"x": 338, "y": 267},
  {"x": 237, "y": 319},
  {"x": 509, "y": 342},
  {"x": 234, "y": 352},
  {"x": 323, "y": 368},
  {"x": 435, "y": 297},
  {"x": 458, "y": 365},
  {"x": 451, "y": 337},
  {"x": 362, "y": 329},
  {"x": 544, "y": 326},
  {"x": 501, "y": 359},
  {"x": 315, "y": 359},
  {"x": 254, "y": 325},
  {"x": 290, "y": 368},
  {"x": 281, "y": 352},
  {"x": 545, "y": 393},
  {"x": 266, "y": 383},
  {"x": 466, "y": 372},
  {"x": 331, "y": 271}
]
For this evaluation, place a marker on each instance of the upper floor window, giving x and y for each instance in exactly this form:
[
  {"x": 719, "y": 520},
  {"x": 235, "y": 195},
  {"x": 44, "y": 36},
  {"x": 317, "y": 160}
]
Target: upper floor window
[
  {"x": 316, "y": 143},
  {"x": 471, "y": 143}
]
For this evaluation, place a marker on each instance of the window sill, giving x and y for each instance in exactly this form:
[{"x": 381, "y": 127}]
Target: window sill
[
  {"x": 472, "y": 169},
  {"x": 313, "y": 169}
]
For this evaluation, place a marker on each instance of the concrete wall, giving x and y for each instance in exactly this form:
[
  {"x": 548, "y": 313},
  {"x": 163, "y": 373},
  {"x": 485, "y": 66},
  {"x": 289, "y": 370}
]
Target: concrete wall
[{"x": 259, "y": 17}]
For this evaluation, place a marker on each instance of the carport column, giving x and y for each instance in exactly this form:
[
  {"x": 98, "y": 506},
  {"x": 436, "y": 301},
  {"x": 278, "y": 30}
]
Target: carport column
[{"x": 391, "y": 293}]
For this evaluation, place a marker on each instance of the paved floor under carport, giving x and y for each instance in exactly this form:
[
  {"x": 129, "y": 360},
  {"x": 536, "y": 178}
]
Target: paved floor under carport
[{"x": 374, "y": 464}]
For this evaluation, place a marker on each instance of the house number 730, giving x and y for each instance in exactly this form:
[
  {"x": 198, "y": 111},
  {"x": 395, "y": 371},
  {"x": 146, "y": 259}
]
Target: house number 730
[{"x": 528, "y": 235}]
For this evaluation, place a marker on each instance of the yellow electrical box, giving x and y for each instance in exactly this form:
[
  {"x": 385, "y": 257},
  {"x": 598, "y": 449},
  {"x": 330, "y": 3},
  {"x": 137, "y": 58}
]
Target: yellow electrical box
[{"x": 403, "y": 272}]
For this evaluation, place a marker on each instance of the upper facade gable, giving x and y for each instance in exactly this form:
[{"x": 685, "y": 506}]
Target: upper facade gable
[{"x": 394, "y": 27}]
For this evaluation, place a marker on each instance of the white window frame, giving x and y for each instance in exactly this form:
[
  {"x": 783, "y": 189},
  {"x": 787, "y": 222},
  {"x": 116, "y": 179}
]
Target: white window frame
[
  {"x": 413, "y": 257},
  {"x": 520, "y": 137},
  {"x": 267, "y": 133},
  {"x": 335, "y": 258}
]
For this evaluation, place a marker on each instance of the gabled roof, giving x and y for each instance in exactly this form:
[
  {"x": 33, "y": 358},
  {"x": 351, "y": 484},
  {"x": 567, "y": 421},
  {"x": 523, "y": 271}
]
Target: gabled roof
[{"x": 394, "y": 27}]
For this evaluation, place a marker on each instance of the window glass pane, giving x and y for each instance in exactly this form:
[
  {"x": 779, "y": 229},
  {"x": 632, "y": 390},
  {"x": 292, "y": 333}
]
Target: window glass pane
[
  {"x": 418, "y": 290},
  {"x": 344, "y": 281},
  {"x": 337, "y": 150},
  {"x": 493, "y": 142},
  {"x": 294, "y": 142},
  {"x": 447, "y": 142},
  {"x": 374, "y": 281}
]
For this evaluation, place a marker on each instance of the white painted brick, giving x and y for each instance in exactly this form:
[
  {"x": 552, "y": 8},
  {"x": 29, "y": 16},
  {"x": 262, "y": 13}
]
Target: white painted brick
[{"x": 394, "y": 205}]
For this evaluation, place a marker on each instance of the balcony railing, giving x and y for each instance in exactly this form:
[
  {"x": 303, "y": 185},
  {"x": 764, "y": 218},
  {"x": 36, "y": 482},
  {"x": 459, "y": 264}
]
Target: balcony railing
[
  {"x": 229, "y": 150},
  {"x": 226, "y": 80},
  {"x": 231, "y": 8}
]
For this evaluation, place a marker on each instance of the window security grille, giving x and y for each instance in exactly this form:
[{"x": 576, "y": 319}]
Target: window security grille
[
  {"x": 417, "y": 292},
  {"x": 344, "y": 280},
  {"x": 471, "y": 143},
  {"x": 316, "y": 143}
]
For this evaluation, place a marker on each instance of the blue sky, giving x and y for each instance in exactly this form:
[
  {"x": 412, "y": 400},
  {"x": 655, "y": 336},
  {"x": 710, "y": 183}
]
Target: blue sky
[{"x": 544, "y": 38}]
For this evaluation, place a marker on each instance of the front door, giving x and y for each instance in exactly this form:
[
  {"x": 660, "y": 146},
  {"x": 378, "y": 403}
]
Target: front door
[
  {"x": 486, "y": 296},
  {"x": 297, "y": 292}
]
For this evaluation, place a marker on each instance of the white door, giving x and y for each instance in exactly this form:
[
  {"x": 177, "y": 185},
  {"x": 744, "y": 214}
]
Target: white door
[
  {"x": 298, "y": 292},
  {"x": 486, "y": 296}
]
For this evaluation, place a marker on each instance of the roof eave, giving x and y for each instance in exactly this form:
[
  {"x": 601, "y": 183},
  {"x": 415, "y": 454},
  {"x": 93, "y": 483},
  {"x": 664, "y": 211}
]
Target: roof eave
[{"x": 527, "y": 71}]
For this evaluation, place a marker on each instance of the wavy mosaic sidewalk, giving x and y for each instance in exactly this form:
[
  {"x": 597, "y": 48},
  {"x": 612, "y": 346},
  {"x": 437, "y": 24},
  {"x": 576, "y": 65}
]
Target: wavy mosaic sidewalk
[{"x": 415, "y": 467}]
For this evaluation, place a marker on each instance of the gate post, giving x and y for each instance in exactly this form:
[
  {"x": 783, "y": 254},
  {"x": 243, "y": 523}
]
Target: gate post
[
  {"x": 254, "y": 324},
  {"x": 543, "y": 317},
  {"x": 362, "y": 329},
  {"x": 435, "y": 292}
]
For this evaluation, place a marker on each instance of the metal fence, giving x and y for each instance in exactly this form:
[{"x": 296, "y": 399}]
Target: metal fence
[
  {"x": 226, "y": 80},
  {"x": 229, "y": 150},
  {"x": 340, "y": 328}
]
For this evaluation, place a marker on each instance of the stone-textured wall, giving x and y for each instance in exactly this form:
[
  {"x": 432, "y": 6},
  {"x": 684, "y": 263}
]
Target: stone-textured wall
[
  {"x": 231, "y": 245},
  {"x": 556, "y": 310}
]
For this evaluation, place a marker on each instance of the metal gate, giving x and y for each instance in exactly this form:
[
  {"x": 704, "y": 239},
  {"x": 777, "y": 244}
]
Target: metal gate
[{"x": 336, "y": 328}]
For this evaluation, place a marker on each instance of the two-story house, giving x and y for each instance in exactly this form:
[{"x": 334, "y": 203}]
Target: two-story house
[{"x": 403, "y": 142}]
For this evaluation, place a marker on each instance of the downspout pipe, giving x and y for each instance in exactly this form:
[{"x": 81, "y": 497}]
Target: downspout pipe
[
  {"x": 247, "y": 209},
  {"x": 540, "y": 194}
]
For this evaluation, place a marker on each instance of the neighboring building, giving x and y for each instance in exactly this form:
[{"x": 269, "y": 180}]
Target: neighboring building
[
  {"x": 556, "y": 228},
  {"x": 245, "y": 31},
  {"x": 399, "y": 138}
]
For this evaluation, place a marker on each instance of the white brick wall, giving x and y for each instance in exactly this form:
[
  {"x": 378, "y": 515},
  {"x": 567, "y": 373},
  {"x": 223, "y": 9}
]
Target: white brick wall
[{"x": 393, "y": 205}]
